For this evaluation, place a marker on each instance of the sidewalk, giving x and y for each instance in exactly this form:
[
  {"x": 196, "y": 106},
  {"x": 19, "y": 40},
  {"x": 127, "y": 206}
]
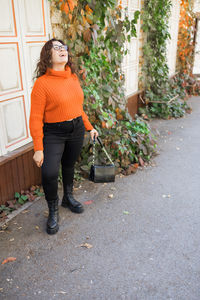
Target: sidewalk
[{"x": 145, "y": 239}]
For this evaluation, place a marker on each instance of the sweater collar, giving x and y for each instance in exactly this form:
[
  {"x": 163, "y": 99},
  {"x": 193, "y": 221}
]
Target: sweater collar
[{"x": 63, "y": 74}]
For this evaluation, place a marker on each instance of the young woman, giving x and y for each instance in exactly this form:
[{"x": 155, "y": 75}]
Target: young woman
[{"x": 57, "y": 126}]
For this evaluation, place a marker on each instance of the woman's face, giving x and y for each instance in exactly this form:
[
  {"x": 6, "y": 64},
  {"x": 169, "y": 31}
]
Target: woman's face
[{"x": 59, "y": 53}]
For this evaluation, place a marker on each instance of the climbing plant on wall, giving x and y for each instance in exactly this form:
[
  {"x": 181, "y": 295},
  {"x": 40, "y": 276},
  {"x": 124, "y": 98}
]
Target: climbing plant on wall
[
  {"x": 96, "y": 33},
  {"x": 186, "y": 47},
  {"x": 186, "y": 37},
  {"x": 161, "y": 94}
]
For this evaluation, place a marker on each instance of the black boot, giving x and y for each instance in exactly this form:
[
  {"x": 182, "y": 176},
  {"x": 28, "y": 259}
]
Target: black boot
[
  {"x": 53, "y": 218},
  {"x": 69, "y": 201}
]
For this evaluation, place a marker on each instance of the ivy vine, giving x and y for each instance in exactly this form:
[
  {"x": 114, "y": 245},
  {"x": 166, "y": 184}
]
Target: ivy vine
[
  {"x": 186, "y": 48},
  {"x": 97, "y": 32},
  {"x": 162, "y": 95}
]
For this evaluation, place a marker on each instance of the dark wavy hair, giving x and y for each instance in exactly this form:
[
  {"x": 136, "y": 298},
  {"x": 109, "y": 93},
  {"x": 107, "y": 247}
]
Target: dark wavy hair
[{"x": 45, "y": 59}]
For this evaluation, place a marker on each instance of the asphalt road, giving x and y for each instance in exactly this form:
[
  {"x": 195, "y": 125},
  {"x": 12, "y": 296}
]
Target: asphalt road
[{"x": 145, "y": 239}]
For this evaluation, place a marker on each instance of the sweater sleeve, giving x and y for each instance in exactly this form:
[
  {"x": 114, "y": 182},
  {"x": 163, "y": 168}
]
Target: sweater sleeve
[
  {"x": 87, "y": 124},
  {"x": 38, "y": 102}
]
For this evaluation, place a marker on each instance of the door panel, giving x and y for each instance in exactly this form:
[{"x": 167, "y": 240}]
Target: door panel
[
  {"x": 34, "y": 18},
  {"x": 33, "y": 54},
  {"x": 7, "y": 18},
  {"x": 14, "y": 114},
  {"x": 10, "y": 75}
]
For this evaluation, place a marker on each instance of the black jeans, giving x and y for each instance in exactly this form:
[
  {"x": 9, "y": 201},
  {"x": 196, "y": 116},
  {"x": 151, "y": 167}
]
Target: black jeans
[{"x": 62, "y": 144}]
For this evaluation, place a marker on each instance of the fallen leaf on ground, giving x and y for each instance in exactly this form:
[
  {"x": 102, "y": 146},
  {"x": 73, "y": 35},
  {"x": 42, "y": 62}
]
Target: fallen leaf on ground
[
  {"x": 9, "y": 259},
  {"x": 141, "y": 162},
  {"x": 125, "y": 212},
  {"x": 110, "y": 196},
  {"x": 25, "y": 211},
  {"x": 88, "y": 202},
  {"x": 86, "y": 245},
  {"x": 37, "y": 227},
  {"x": 131, "y": 169},
  {"x": 4, "y": 226},
  {"x": 11, "y": 203},
  {"x": 46, "y": 213}
]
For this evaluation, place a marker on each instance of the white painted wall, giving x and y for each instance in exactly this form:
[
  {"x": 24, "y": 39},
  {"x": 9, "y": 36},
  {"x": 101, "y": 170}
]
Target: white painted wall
[
  {"x": 173, "y": 30},
  {"x": 196, "y": 8},
  {"x": 196, "y": 67}
]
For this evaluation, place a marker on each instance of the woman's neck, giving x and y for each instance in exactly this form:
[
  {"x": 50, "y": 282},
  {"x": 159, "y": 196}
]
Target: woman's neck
[{"x": 58, "y": 67}]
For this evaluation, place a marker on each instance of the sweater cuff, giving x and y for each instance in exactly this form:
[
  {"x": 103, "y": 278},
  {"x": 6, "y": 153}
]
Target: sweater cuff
[
  {"x": 91, "y": 128},
  {"x": 38, "y": 145}
]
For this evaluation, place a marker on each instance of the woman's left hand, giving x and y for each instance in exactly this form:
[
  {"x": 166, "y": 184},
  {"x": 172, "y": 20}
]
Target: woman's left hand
[{"x": 93, "y": 133}]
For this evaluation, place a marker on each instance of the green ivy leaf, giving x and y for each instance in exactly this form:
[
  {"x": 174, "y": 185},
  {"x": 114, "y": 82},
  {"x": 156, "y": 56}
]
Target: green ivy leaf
[
  {"x": 17, "y": 195},
  {"x": 24, "y": 197},
  {"x": 21, "y": 201}
]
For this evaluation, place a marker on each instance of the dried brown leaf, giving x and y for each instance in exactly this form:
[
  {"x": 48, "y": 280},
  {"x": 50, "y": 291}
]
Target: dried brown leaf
[
  {"x": 86, "y": 245},
  {"x": 9, "y": 259}
]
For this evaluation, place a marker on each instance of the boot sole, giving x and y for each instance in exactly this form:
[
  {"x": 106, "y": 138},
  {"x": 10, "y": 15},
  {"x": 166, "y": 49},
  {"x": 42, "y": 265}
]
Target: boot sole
[
  {"x": 52, "y": 230},
  {"x": 74, "y": 210}
]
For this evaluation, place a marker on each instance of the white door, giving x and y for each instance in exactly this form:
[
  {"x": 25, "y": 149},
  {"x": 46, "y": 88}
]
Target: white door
[
  {"x": 130, "y": 63},
  {"x": 24, "y": 27}
]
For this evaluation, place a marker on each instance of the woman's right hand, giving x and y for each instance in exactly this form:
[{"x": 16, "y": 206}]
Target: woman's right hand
[{"x": 38, "y": 157}]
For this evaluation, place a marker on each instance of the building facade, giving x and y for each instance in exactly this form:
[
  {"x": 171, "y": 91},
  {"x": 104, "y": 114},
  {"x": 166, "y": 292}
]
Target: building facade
[{"x": 25, "y": 25}]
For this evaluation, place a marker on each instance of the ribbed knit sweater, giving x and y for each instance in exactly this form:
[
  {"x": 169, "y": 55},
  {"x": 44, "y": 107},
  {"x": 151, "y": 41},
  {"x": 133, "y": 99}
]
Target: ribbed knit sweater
[{"x": 56, "y": 97}]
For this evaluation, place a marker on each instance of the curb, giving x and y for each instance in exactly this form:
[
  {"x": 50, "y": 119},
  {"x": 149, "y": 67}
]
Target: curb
[{"x": 16, "y": 212}]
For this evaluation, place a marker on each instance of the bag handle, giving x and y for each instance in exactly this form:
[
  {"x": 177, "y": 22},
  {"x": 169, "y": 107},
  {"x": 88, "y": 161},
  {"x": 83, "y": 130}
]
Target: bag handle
[{"x": 103, "y": 148}]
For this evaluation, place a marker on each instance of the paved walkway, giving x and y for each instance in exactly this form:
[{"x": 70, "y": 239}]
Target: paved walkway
[{"x": 145, "y": 240}]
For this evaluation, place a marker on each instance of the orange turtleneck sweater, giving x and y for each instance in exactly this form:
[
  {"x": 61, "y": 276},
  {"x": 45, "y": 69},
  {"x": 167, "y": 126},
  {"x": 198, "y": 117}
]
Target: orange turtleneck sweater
[{"x": 56, "y": 97}]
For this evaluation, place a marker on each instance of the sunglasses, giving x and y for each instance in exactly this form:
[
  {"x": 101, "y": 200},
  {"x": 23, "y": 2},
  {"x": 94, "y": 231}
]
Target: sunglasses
[{"x": 60, "y": 47}]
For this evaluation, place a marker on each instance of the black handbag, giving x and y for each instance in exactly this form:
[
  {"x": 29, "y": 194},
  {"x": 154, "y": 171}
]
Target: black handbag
[{"x": 102, "y": 173}]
